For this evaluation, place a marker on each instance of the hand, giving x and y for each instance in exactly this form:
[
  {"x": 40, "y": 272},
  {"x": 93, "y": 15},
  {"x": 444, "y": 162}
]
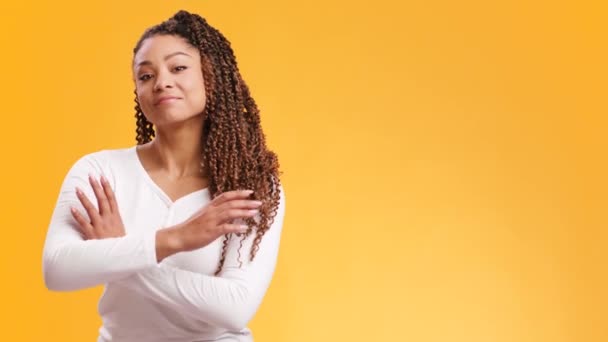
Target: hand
[
  {"x": 216, "y": 219},
  {"x": 106, "y": 222}
]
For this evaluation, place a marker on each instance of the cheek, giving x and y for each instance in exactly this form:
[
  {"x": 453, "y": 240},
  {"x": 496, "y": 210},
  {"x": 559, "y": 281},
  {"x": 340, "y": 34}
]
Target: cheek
[
  {"x": 144, "y": 98},
  {"x": 143, "y": 93},
  {"x": 197, "y": 93}
]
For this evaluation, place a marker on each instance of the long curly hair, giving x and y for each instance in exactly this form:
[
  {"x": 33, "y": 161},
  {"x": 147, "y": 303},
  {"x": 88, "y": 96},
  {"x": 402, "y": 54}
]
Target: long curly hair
[{"x": 235, "y": 155}]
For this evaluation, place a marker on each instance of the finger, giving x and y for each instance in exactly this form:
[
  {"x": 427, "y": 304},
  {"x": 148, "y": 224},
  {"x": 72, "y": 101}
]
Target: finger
[
  {"x": 88, "y": 206},
  {"x": 240, "y": 204},
  {"x": 84, "y": 226},
  {"x": 102, "y": 201},
  {"x": 109, "y": 194},
  {"x": 228, "y": 228},
  {"x": 233, "y": 214},
  {"x": 231, "y": 195}
]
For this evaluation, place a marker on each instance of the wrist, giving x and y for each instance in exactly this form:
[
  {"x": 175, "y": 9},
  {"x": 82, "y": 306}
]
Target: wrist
[{"x": 168, "y": 242}]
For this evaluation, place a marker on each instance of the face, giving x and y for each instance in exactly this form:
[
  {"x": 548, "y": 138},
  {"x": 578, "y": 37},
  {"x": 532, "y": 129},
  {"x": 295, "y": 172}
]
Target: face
[{"x": 169, "y": 80}]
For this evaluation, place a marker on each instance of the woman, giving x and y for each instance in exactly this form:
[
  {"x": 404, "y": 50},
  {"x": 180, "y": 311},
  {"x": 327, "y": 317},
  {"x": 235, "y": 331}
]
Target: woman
[{"x": 183, "y": 228}]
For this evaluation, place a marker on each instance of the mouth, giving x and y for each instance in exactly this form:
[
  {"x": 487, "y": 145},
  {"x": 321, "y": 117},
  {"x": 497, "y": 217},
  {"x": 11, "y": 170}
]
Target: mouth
[{"x": 164, "y": 100}]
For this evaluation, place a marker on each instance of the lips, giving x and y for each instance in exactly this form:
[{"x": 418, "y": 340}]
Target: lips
[{"x": 165, "y": 99}]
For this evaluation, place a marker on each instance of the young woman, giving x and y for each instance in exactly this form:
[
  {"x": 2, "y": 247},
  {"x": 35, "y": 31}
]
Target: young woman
[{"x": 183, "y": 228}]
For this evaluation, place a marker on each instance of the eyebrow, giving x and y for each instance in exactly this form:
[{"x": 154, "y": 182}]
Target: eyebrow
[{"x": 166, "y": 57}]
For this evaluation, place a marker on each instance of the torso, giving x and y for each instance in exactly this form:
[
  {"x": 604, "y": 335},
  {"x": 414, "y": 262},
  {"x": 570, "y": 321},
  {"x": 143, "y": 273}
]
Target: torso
[{"x": 130, "y": 315}]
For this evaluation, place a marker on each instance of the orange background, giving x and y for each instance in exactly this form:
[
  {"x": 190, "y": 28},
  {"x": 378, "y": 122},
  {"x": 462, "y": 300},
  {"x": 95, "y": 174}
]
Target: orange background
[{"x": 444, "y": 161}]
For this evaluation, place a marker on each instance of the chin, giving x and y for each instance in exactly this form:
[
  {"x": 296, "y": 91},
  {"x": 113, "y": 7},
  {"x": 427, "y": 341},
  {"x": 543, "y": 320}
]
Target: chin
[{"x": 170, "y": 120}]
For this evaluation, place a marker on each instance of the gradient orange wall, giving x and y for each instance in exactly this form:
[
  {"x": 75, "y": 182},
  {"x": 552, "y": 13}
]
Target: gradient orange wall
[{"x": 444, "y": 161}]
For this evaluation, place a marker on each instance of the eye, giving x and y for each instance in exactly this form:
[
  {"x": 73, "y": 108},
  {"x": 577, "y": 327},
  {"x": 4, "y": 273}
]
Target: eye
[
  {"x": 180, "y": 68},
  {"x": 145, "y": 77}
]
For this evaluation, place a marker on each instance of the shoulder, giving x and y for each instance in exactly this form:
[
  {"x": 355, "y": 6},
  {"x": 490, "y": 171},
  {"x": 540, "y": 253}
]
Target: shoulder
[
  {"x": 105, "y": 156},
  {"x": 102, "y": 161}
]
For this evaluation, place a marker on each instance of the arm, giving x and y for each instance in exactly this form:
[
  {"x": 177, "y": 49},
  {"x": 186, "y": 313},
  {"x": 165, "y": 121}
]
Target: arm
[
  {"x": 229, "y": 300},
  {"x": 70, "y": 262}
]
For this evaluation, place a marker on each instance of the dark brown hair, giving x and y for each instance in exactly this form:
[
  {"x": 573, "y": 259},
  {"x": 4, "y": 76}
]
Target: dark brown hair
[{"x": 235, "y": 155}]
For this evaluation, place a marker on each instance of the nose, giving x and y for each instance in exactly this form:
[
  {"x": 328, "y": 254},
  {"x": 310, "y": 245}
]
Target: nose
[{"x": 163, "y": 80}]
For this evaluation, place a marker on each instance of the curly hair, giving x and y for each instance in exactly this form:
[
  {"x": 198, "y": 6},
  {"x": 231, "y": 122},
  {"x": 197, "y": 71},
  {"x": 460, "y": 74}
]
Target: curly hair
[{"x": 235, "y": 155}]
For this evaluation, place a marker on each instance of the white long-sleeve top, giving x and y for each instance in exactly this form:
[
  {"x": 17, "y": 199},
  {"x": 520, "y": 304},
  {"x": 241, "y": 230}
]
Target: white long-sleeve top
[{"x": 178, "y": 299}]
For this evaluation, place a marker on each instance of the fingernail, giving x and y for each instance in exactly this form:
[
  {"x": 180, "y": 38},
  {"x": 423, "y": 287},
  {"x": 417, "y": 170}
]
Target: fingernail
[
  {"x": 78, "y": 191},
  {"x": 257, "y": 202},
  {"x": 248, "y": 192},
  {"x": 243, "y": 228},
  {"x": 103, "y": 179},
  {"x": 254, "y": 212}
]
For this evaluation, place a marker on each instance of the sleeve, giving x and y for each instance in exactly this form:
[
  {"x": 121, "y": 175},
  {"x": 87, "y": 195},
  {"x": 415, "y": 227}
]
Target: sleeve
[
  {"x": 229, "y": 300},
  {"x": 71, "y": 263}
]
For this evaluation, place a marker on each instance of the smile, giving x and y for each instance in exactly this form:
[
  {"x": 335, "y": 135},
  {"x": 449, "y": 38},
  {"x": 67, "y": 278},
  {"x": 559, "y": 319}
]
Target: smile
[{"x": 165, "y": 100}]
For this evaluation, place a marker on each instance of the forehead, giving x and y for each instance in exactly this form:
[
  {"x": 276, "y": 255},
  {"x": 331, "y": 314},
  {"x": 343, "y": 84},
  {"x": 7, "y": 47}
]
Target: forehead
[{"x": 157, "y": 47}]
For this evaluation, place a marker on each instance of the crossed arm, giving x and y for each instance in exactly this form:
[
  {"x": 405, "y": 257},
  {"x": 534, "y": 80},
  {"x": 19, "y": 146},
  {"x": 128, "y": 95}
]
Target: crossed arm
[{"x": 71, "y": 262}]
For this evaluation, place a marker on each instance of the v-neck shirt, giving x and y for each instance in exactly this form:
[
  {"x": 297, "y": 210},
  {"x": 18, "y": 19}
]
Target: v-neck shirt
[
  {"x": 178, "y": 299},
  {"x": 159, "y": 191}
]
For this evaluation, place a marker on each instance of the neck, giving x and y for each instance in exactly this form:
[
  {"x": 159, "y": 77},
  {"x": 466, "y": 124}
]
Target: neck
[{"x": 177, "y": 149}]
